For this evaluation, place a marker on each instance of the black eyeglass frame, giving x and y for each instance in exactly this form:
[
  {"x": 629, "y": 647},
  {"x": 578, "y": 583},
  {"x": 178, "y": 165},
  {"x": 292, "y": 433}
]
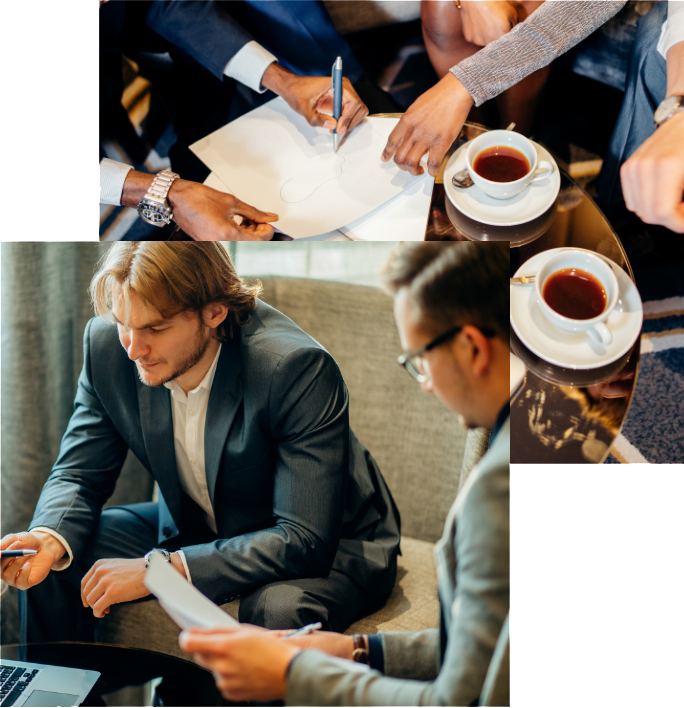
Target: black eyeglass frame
[{"x": 404, "y": 359}]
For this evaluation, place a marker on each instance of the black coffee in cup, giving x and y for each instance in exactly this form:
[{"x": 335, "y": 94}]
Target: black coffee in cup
[
  {"x": 501, "y": 164},
  {"x": 574, "y": 293}
]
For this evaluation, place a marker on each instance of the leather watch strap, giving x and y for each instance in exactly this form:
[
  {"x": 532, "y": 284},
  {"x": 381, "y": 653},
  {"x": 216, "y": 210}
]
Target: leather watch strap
[{"x": 360, "y": 652}]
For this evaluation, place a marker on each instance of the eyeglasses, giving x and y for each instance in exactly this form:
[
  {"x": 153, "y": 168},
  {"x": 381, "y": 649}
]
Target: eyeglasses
[{"x": 414, "y": 362}]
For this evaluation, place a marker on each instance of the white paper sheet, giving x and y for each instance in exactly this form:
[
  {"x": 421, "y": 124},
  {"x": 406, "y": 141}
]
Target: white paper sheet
[
  {"x": 183, "y": 602},
  {"x": 403, "y": 218},
  {"x": 215, "y": 183},
  {"x": 274, "y": 160}
]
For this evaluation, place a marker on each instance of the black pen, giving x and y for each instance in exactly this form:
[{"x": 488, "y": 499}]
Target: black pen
[{"x": 19, "y": 553}]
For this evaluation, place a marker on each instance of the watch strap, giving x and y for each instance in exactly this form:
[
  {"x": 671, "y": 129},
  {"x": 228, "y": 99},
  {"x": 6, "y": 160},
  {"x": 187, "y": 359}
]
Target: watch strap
[
  {"x": 161, "y": 184},
  {"x": 360, "y": 651},
  {"x": 677, "y": 107}
]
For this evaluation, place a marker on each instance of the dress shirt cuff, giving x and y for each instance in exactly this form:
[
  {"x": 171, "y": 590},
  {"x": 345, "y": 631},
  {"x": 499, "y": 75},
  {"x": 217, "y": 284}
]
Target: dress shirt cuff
[
  {"x": 112, "y": 177},
  {"x": 376, "y": 654},
  {"x": 249, "y": 65},
  {"x": 673, "y": 28},
  {"x": 181, "y": 555},
  {"x": 63, "y": 563}
]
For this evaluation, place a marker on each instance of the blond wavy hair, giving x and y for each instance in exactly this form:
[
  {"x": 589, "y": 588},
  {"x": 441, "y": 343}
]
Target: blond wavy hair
[{"x": 174, "y": 277}]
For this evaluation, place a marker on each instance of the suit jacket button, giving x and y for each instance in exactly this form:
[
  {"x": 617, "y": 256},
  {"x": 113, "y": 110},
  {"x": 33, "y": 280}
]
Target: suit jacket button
[{"x": 166, "y": 531}]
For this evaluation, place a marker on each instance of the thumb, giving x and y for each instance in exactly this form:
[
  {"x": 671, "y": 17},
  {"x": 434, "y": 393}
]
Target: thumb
[
  {"x": 321, "y": 120},
  {"x": 252, "y": 213}
]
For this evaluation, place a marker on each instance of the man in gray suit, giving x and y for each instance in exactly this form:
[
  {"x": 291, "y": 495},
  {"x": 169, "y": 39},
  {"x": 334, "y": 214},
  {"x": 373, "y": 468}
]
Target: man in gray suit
[
  {"x": 452, "y": 311},
  {"x": 242, "y": 420}
]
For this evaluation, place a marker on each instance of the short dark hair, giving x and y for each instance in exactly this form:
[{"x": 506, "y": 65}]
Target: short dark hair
[{"x": 454, "y": 283}]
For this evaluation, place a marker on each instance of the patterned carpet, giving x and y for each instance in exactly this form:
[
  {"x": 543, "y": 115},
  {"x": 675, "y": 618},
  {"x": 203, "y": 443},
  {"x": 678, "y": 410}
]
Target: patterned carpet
[{"x": 654, "y": 429}]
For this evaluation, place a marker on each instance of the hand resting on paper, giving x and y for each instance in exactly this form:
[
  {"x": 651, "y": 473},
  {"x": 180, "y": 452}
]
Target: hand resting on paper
[
  {"x": 312, "y": 97},
  {"x": 430, "y": 125},
  {"x": 204, "y": 214}
]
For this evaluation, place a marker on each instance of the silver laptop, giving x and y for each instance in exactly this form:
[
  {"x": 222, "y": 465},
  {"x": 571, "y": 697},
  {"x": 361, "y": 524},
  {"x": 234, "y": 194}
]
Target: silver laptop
[{"x": 24, "y": 684}]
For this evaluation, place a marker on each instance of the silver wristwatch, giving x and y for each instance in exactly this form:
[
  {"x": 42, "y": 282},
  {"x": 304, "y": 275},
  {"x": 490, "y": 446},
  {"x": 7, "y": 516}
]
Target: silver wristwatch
[
  {"x": 154, "y": 207},
  {"x": 665, "y": 111},
  {"x": 163, "y": 551}
]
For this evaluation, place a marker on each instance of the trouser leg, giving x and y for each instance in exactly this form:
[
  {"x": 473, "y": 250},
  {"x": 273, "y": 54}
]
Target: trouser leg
[
  {"x": 644, "y": 90},
  {"x": 335, "y": 601},
  {"x": 53, "y": 611}
]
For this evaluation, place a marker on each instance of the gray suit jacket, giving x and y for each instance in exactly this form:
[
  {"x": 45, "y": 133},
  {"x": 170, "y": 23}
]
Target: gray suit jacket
[
  {"x": 473, "y": 575},
  {"x": 294, "y": 493}
]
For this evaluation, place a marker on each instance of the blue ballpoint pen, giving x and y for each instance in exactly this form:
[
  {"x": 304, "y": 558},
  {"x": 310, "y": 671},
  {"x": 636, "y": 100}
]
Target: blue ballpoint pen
[{"x": 337, "y": 96}]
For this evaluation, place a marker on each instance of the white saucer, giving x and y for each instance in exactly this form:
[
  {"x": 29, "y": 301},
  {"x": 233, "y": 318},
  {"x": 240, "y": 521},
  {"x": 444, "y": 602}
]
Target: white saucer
[
  {"x": 529, "y": 204},
  {"x": 576, "y": 351},
  {"x": 517, "y": 373}
]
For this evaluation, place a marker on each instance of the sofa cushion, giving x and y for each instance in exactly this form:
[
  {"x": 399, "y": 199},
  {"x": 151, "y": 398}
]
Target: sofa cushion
[{"x": 412, "y": 605}]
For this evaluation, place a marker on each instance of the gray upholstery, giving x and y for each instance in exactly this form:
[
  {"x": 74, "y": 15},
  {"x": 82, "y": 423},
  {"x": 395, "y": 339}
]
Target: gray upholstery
[{"x": 418, "y": 444}]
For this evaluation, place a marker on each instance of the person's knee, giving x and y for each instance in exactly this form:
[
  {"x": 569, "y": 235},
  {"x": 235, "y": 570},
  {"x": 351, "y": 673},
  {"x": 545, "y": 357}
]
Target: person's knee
[
  {"x": 440, "y": 26},
  {"x": 281, "y": 605}
]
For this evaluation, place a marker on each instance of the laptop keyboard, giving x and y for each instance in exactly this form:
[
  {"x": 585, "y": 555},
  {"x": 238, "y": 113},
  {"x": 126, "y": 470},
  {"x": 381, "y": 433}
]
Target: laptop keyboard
[{"x": 13, "y": 682}]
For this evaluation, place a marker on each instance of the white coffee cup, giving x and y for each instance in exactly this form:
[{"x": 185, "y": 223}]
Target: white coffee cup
[
  {"x": 593, "y": 264},
  {"x": 511, "y": 139}
]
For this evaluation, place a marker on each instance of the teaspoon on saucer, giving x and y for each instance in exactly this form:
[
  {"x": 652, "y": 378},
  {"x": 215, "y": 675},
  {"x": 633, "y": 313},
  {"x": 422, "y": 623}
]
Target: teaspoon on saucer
[
  {"x": 523, "y": 280},
  {"x": 462, "y": 180}
]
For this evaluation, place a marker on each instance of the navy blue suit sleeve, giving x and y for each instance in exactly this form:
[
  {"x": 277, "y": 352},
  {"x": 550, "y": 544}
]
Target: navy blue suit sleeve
[
  {"x": 309, "y": 422},
  {"x": 91, "y": 456},
  {"x": 201, "y": 29}
]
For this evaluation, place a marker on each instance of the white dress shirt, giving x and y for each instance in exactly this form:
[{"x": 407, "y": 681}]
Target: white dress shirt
[
  {"x": 248, "y": 66},
  {"x": 673, "y": 28},
  {"x": 189, "y": 414}
]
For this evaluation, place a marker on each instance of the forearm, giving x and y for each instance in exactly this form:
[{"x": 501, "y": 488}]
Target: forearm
[
  {"x": 227, "y": 568},
  {"x": 316, "y": 679},
  {"x": 550, "y": 31},
  {"x": 675, "y": 70},
  {"x": 413, "y": 655}
]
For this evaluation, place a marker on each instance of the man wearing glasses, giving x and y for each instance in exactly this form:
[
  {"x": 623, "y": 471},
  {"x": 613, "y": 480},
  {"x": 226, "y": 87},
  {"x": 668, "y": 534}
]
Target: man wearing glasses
[{"x": 451, "y": 306}]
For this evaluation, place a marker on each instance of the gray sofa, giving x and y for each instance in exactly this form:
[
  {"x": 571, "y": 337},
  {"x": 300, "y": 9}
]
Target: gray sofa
[{"x": 419, "y": 445}]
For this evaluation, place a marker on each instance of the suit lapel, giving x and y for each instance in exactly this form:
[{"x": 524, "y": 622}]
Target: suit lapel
[
  {"x": 225, "y": 399},
  {"x": 157, "y": 429}
]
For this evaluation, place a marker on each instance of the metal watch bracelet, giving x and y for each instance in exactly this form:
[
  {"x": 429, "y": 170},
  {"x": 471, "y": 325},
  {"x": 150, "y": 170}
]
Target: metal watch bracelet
[
  {"x": 163, "y": 551},
  {"x": 154, "y": 207}
]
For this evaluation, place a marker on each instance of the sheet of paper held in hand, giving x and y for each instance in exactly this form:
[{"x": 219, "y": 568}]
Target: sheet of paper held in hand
[
  {"x": 184, "y": 603},
  {"x": 274, "y": 160}
]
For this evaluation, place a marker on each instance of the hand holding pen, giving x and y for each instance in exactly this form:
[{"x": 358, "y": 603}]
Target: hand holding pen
[{"x": 312, "y": 97}]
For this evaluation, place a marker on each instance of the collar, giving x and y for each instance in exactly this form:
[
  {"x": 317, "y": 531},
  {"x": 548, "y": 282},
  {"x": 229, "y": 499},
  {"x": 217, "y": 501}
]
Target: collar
[
  {"x": 500, "y": 420},
  {"x": 205, "y": 383}
]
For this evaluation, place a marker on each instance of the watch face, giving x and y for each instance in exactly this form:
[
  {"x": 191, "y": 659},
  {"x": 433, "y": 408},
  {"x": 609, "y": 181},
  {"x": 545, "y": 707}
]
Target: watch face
[
  {"x": 154, "y": 213},
  {"x": 666, "y": 108}
]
